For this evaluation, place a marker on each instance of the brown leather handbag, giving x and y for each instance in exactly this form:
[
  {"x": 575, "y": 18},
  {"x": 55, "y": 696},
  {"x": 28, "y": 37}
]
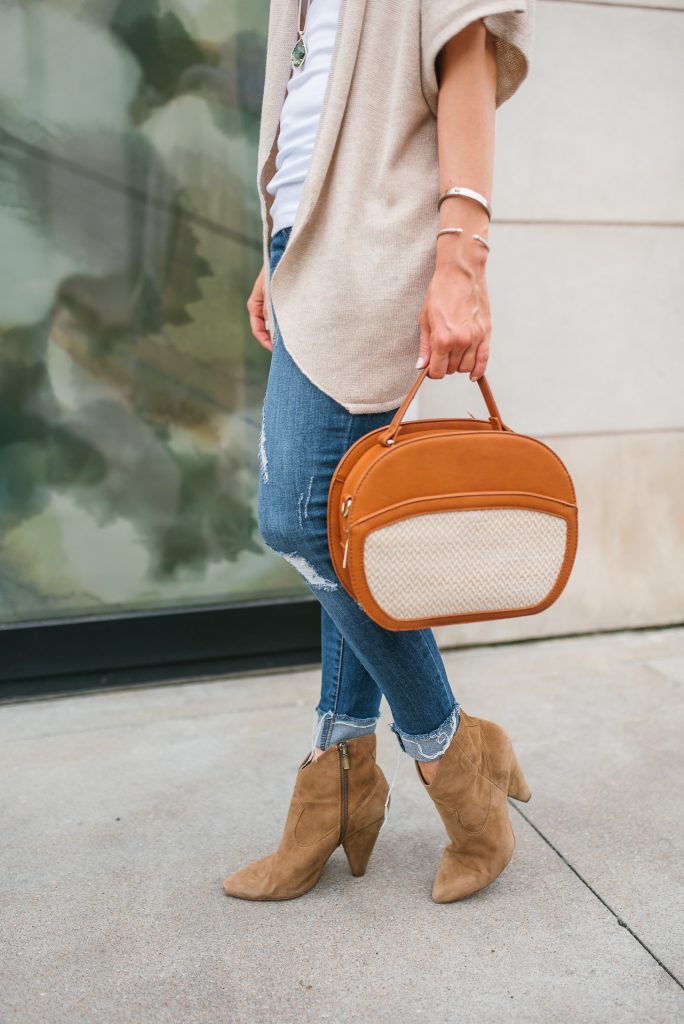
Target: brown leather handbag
[{"x": 451, "y": 520}]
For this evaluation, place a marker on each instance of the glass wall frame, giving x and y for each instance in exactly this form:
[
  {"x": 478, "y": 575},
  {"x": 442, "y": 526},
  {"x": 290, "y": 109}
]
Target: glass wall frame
[{"x": 130, "y": 385}]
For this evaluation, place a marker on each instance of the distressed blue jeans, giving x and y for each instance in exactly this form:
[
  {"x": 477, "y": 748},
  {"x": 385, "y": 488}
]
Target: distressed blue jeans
[{"x": 304, "y": 434}]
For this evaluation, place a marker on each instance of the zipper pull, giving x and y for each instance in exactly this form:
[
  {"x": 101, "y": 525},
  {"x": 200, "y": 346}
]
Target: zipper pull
[
  {"x": 346, "y": 549},
  {"x": 345, "y": 755},
  {"x": 346, "y": 505}
]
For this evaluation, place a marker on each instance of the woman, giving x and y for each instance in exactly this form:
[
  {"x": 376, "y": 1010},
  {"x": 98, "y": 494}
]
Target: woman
[{"x": 371, "y": 112}]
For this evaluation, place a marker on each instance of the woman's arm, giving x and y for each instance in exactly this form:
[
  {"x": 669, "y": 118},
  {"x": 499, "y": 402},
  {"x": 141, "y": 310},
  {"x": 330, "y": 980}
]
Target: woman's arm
[{"x": 455, "y": 320}]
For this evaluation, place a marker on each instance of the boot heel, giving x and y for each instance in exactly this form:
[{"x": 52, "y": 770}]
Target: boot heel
[
  {"x": 359, "y": 846},
  {"x": 517, "y": 783}
]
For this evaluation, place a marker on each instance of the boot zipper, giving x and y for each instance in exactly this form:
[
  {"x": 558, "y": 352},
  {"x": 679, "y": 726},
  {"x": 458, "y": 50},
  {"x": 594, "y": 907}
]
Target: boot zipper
[{"x": 344, "y": 792}]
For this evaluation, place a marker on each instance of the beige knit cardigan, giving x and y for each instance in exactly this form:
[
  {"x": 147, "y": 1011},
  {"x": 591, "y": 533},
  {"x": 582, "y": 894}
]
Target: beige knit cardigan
[{"x": 350, "y": 285}]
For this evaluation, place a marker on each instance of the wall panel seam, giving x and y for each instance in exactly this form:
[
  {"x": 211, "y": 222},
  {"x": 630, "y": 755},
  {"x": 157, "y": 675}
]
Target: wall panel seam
[
  {"x": 543, "y": 222},
  {"x": 618, "y": 6}
]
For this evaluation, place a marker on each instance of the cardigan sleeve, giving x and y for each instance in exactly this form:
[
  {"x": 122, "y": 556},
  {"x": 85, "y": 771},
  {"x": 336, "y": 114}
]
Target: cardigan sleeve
[{"x": 511, "y": 22}]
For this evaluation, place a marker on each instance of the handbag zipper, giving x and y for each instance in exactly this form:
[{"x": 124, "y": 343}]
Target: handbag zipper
[
  {"x": 346, "y": 505},
  {"x": 344, "y": 789},
  {"x": 346, "y": 550}
]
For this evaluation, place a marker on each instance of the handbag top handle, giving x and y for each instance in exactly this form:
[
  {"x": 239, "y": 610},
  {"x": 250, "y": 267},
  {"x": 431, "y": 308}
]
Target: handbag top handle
[{"x": 389, "y": 436}]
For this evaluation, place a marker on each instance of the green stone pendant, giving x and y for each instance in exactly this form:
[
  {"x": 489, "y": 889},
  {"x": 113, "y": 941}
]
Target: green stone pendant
[{"x": 298, "y": 55}]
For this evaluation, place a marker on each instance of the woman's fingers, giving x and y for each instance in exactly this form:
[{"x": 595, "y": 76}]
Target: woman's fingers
[
  {"x": 480, "y": 360},
  {"x": 257, "y": 324},
  {"x": 438, "y": 364},
  {"x": 257, "y": 319},
  {"x": 455, "y": 362},
  {"x": 451, "y": 349},
  {"x": 440, "y": 350},
  {"x": 258, "y": 328},
  {"x": 473, "y": 358},
  {"x": 481, "y": 352},
  {"x": 467, "y": 360}
]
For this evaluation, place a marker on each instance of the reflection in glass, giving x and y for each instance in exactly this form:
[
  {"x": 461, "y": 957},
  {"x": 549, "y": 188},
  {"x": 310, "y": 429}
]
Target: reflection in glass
[{"x": 130, "y": 385}]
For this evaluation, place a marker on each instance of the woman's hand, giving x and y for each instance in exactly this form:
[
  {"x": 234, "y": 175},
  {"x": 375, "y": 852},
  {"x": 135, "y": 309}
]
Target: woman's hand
[
  {"x": 257, "y": 313},
  {"x": 455, "y": 324}
]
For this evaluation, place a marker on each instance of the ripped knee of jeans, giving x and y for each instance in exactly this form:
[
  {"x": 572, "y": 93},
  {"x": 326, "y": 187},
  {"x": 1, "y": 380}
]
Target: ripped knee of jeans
[
  {"x": 309, "y": 572},
  {"x": 263, "y": 457}
]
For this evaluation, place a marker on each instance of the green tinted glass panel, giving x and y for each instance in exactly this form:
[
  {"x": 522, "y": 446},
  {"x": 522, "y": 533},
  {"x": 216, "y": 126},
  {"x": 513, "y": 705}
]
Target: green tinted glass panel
[{"x": 130, "y": 385}]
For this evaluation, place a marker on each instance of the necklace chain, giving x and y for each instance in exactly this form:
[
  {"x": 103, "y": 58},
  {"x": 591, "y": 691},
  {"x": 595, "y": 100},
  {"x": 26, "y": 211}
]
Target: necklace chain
[{"x": 299, "y": 51}]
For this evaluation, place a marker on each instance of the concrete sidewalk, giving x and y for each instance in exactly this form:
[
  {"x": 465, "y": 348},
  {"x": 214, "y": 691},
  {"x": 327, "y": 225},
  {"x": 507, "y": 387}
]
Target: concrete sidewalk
[{"x": 123, "y": 812}]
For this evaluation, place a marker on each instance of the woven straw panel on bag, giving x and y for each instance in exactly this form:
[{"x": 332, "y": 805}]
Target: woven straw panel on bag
[{"x": 461, "y": 562}]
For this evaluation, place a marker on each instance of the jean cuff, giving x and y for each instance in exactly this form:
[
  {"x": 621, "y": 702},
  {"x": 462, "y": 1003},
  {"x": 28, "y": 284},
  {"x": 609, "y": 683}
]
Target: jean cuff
[
  {"x": 430, "y": 745},
  {"x": 331, "y": 727}
]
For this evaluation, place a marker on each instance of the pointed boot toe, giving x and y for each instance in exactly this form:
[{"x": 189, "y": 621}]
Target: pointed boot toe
[
  {"x": 252, "y": 882},
  {"x": 456, "y": 878},
  {"x": 454, "y": 881},
  {"x": 476, "y": 774},
  {"x": 235, "y": 885},
  {"x": 265, "y": 880},
  {"x": 240, "y": 884},
  {"x": 338, "y": 799},
  {"x": 450, "y": 888}
]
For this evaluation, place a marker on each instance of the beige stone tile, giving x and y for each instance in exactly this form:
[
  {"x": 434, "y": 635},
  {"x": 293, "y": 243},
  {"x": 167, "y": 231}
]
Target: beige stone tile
[{"x": 593, "y": 133}]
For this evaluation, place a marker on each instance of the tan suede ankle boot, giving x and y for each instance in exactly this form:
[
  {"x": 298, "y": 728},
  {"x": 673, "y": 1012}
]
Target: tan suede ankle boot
[
  {"x": 337, "y": 799},
  {"x": 476, "y": 774}
]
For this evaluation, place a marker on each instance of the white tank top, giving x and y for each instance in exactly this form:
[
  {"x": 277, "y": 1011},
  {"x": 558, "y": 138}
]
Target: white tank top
[{"x": 301, "y": 112}]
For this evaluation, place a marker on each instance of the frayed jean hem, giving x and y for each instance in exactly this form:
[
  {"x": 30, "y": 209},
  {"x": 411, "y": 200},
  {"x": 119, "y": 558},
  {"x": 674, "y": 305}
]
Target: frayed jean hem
[
  {"x": 332, "y": 728},
  {"x": 431, "y": 745}
]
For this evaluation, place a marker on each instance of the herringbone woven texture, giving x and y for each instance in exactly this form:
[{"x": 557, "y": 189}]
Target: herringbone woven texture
[{"x": 464, "y": 561}]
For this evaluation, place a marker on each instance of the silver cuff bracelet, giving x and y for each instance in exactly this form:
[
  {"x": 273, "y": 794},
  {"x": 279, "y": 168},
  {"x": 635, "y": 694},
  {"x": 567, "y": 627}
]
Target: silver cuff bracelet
[{"x": 470, "y": 194}]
